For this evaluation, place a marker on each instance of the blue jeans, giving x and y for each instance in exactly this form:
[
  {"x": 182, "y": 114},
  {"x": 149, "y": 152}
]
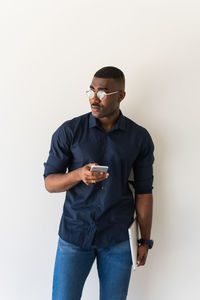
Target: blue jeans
[{"x": 73, "y": 264}]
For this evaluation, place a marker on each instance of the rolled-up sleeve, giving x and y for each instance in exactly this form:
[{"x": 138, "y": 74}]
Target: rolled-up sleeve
[
  {"x": 143, "y": 166},
  {"x": 59, "y": 153}
]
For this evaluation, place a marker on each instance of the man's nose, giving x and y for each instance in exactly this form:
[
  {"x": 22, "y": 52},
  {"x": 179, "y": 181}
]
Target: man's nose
[{"x": 95, "y": 99}]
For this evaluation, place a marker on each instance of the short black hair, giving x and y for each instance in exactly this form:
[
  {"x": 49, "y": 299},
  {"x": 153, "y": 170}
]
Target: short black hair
[{"x": 111, "y": 72}]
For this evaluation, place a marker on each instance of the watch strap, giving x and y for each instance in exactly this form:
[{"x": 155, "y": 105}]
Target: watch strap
[{"x": 147, "y": 242}]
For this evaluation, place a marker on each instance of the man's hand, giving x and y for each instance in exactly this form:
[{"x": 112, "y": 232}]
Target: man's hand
[
  {"x": 142, "y": 254},
  {"x": 89, "y": 177},
  {"x": 144, "y": 210}
]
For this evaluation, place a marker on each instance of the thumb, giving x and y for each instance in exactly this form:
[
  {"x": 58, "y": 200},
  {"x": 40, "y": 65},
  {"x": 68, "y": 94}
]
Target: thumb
[
  {"x": 92, "y": 164},
  {"x": 139, "y": 259}
]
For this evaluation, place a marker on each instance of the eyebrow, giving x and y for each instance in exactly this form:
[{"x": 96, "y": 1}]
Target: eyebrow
[{"x": 100, "y": 88}]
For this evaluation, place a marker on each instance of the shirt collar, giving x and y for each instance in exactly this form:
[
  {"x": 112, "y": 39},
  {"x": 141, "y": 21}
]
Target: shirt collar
[{"x": 120, "y": 123}]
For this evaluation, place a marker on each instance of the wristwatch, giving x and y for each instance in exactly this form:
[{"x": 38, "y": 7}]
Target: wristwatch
[{"x": 147, "y": 242}]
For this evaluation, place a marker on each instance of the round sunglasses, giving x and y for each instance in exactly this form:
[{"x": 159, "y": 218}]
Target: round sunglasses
[{"x": 100, "y": 94}]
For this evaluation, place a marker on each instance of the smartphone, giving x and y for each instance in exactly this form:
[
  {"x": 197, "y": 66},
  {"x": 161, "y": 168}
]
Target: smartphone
[{"x": 99, "y": 168}]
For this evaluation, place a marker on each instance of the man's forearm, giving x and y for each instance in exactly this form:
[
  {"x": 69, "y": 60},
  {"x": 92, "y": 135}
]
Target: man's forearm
[
  {"x": 56, "y": 183},
  {"x": 144, "y": 210}
]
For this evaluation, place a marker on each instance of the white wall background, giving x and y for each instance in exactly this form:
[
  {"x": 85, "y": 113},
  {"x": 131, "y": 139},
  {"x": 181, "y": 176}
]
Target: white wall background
[{"x": 49, "y": 51}]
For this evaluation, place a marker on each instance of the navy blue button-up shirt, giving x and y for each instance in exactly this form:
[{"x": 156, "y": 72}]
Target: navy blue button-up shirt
[{"x": 101, "y": 213}]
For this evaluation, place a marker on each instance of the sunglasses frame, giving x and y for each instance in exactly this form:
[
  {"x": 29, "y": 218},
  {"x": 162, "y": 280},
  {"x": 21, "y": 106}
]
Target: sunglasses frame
[{"x": 104, "y": 94}]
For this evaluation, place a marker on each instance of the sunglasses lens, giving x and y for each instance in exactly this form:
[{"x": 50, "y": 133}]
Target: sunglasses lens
[
  {"x": 90, "y": 94},
  {"x": 101, "y": 94}
]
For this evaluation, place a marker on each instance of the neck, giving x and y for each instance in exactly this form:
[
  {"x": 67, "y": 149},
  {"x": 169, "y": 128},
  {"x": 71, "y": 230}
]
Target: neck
[{"x": 109, "y": 122}]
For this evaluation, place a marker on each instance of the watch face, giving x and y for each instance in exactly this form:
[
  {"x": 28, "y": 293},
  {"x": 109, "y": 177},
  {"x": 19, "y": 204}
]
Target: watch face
[{"x": 150, "y": 246}]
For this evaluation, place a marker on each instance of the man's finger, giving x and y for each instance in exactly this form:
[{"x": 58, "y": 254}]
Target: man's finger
[
  {"x": 96, "y": 176},
  {"x": 139, "y": 259}
]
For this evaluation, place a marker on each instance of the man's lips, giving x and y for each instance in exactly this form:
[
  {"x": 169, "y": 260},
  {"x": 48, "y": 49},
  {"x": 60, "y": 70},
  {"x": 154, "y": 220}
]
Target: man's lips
[{"x": 95, "y": 107}]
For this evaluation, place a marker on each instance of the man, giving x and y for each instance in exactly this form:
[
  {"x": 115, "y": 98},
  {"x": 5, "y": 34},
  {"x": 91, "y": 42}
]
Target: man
[{"x": 99, "y": 207}]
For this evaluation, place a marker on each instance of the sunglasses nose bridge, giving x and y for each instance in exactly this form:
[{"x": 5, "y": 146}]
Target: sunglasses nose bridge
[{"x": 95, "y": 98}]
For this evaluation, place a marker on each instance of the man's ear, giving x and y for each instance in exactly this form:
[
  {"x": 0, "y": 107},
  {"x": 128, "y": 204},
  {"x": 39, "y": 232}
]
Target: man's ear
[{"x": 121, "y": 96}]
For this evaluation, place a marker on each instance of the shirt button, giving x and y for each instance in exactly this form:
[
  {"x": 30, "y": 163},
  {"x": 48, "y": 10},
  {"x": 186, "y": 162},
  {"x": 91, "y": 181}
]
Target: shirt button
[{"x": 102, "y": 187}]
